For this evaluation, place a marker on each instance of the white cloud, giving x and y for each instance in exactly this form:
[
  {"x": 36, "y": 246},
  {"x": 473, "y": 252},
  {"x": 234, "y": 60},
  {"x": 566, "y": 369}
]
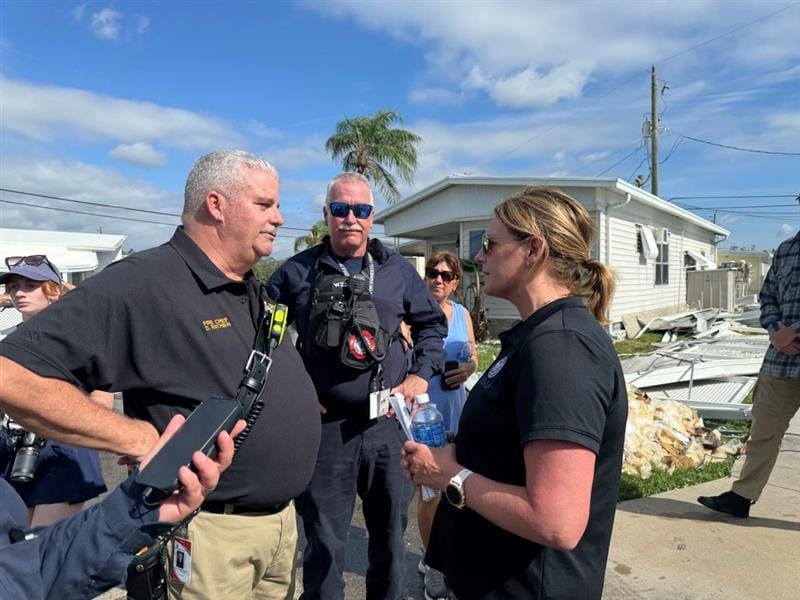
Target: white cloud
[
  {"x": 517, "y": 45},
  {"x": 529, "y": 87},
  {"x": 45, "y": 112},
  {"x": 80, "y": 181},
  {"x": 436, "y": 95},
  {"x": 786, "y": 231},
  {"x": 112, "y": 24},
  {"x": 140, "y": 154},
  {"x": 106, "y": 24}
]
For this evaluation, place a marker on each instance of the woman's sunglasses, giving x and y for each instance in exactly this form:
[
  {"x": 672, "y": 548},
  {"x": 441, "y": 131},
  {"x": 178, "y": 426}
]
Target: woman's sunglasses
[
  {"x": 33, "y": 260},
  {"x": 340, "y": 210},
  {"x": 447, "y": 276},
  {"x": 487, "y": 243}
]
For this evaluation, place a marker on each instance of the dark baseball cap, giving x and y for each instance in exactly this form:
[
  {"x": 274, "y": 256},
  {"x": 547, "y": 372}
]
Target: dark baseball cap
[{"x": 35, "y": 267}]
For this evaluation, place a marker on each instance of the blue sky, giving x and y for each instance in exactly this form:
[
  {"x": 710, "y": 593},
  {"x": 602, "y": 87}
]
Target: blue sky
[{"x": 112, "y": 102}]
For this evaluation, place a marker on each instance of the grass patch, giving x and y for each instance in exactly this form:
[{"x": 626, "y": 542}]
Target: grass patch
[
  {"x": 486, "y": 355},
  {"x": 639, "y": 345},
  {"x": 632, "y": 487},
  {"x": 740, "y": 428}
]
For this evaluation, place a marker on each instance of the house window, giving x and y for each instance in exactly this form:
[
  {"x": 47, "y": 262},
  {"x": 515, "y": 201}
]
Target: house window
[
  {"x": 475, "y": 236},
  {"x": 662, "y": 264}
]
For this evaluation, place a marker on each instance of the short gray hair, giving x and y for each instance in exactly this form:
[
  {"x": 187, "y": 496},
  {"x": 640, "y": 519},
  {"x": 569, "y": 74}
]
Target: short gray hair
[
  {"x": 218, "y": 170},
  {"x": 348, "y": 176}
]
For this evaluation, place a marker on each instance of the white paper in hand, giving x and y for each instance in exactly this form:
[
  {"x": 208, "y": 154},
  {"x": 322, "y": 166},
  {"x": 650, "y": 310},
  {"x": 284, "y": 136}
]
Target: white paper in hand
[{"x": 403, "y": 414}]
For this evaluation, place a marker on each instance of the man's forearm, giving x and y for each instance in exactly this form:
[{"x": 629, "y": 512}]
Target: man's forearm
[{"x": 60, "y": 411}]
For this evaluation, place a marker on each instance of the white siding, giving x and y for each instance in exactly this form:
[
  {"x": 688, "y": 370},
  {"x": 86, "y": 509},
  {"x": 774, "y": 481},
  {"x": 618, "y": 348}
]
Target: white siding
[{"x": 636, "y": 290}]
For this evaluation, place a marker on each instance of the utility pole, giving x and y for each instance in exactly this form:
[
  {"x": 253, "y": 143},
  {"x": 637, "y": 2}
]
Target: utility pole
[{"x": 653, "y": 132}]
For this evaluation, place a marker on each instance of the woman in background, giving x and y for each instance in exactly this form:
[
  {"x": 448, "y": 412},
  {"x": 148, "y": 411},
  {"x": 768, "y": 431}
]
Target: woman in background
[
  {"x": 443, "y": 275},
  {"x": 65, "y": 476}
]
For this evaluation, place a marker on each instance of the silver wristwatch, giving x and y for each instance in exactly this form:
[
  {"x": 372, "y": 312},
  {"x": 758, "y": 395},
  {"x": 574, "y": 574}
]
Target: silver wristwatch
[{"x": 455, "y": 489}]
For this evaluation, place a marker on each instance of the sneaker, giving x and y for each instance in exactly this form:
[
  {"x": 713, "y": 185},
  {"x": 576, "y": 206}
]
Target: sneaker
[
  {"x": 729, "y": 502},
  {"x": 435, "y": 586}
]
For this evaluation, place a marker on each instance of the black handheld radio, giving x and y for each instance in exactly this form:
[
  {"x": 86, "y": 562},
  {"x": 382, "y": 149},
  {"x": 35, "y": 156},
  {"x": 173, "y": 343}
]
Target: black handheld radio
[{"x": 213, "y": 415}]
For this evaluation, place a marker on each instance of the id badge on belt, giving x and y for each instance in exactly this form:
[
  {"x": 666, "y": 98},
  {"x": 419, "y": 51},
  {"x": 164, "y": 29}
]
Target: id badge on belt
[{"x": 181, "y": 571}]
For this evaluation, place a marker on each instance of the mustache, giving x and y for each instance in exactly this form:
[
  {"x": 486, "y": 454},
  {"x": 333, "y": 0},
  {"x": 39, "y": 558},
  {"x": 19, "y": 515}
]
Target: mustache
[
  {"x": 345, "y": 227},
  {"x": 271, "y": 231}
]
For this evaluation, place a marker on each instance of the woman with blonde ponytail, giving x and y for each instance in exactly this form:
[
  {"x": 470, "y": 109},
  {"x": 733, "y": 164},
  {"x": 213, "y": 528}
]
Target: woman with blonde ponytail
[{"x": 533, "y": 474}]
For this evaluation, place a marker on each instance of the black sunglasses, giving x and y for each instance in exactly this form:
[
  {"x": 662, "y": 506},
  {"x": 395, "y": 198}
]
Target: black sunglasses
[
  {"x": 447, "y": 276},
  {"x": 33, "y": 260},
  {"x": 487, "y": 243},
  {"x": 340, "y": 210}
]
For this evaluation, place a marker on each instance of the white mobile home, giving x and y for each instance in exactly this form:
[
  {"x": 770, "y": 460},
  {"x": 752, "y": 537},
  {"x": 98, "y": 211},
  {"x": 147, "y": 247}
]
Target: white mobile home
[{"x": 649, "y": 242}]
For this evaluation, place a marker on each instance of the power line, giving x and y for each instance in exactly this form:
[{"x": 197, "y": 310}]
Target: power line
[
  {"x": 748, "y": 206},
  {"x": 733, "y": 196},
  {"x": 100, "y": 204},
  {"x": 769, "y": 217},
  {"x": 621, "y": 160},
  {"x": 104, "y": 205},
  {"x": 722, "y": 35},
  {"x": 637, "y": 168},
  {"x": 638, "y": 73},
  {"x": 82, "y": 212},
  {"x": 694, "y": 139}
]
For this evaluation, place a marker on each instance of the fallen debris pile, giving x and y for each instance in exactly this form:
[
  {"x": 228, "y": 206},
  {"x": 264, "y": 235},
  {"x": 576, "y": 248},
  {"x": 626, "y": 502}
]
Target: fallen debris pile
[{"x": 668, "y": 435}]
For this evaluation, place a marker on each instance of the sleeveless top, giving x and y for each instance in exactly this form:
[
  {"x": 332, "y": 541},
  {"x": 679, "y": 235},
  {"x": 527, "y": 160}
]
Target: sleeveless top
[{"x": 450, "y": 402}]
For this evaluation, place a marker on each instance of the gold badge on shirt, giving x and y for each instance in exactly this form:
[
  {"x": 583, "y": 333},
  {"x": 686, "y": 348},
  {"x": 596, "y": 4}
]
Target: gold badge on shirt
[{"x": 214, "y": 324}]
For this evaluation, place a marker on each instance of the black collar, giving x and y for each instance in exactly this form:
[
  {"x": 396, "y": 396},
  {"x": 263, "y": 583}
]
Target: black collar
[
  {"x": 521, "y": 331},
  {"x": 202, "y": 267},
  {"x": 374, "y": 246}
]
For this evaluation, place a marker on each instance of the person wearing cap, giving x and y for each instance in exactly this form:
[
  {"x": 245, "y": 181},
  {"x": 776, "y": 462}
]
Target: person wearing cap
[
  {"x": 171, "y": 327},
  {"x": 65, "y": 476}
]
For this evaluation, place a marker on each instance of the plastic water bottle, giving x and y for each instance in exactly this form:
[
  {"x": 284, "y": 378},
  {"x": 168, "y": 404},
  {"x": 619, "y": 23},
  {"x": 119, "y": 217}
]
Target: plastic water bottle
[{"x": 427, "y": 424}]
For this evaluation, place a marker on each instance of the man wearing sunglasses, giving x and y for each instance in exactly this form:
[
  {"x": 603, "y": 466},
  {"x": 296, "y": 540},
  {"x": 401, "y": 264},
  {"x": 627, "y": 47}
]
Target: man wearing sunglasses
[
  {"x": 359, "y": 455},
  {"x": 171, "y": 327}
]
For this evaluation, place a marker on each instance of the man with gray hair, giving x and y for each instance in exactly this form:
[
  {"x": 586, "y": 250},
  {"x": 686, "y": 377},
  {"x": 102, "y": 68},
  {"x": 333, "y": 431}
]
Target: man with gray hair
[
  {"x": 347, "y": 298},
  {"x": 170, "y": 327}
]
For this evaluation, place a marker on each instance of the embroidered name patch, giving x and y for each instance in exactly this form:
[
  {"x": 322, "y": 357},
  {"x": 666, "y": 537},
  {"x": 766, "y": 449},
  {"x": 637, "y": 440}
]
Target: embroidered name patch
[
  {"x": 487, "y": 378},
  {"x": 497, "y": 367},
  {"x": 214, "y": 324}
]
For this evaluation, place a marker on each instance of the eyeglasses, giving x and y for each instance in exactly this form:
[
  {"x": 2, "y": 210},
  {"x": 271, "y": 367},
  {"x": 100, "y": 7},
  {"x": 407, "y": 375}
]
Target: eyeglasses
[
  {"x": 447, "y": 276},
  {"x": 340, "y": 210},
  {"x": 487, "y": 243},
  {"x": 33, "y": 260}
]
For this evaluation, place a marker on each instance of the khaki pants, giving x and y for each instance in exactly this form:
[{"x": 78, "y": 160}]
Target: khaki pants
[
  {"x": 775, "y": 402},
  {"x": 241, "y": 557}
]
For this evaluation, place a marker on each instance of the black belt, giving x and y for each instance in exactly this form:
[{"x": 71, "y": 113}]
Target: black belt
[{"x": 223, "y": 508}]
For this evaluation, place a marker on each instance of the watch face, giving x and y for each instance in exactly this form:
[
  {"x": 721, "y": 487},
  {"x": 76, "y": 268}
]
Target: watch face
[{"x": 453, "y": 495}]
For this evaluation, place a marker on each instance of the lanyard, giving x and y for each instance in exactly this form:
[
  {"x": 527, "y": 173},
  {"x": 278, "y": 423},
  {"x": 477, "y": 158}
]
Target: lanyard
[{"x": 370, "y": 271}]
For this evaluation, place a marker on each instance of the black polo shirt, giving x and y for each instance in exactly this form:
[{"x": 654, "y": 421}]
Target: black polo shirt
[
  {"x": 168, "y": 329},
  {"x": 557, "y": 378}
]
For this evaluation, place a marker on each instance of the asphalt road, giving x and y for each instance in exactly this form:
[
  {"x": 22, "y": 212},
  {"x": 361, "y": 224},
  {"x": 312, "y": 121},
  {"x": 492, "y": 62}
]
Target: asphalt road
[{"x": 356, "y": 564}]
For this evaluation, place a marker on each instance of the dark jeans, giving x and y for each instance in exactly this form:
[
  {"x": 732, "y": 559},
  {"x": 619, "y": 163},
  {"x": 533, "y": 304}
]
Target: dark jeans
[{"x": 356, "y": 456}]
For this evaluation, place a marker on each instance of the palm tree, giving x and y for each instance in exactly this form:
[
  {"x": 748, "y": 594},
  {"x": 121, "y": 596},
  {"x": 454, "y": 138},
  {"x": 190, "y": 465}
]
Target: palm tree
[
  {"x": 370, "y": 146},
  {"x": 318, "y": 231}
]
